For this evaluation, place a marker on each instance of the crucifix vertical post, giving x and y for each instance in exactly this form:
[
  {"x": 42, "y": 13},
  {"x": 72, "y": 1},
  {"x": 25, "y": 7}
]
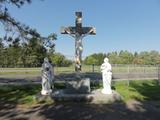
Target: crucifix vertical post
[{"x": 78, "y": 33}]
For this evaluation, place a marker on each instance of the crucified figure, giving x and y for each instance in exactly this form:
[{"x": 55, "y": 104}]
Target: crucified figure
[
  {"x": 78, "y": 47},
  {"x": 78, "y": 33}
]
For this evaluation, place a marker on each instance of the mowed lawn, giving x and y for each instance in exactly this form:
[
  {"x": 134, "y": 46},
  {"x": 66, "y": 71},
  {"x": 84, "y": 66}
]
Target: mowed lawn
[{"x": 142, "y": 90}]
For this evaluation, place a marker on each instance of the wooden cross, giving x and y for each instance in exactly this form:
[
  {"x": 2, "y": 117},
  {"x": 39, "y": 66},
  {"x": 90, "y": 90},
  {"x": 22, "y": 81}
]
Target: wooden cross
[{"x": 78, "y": 32}]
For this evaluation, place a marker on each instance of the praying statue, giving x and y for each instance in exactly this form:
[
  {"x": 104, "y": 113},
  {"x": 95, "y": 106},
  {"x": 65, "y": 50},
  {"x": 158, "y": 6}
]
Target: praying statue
[
  {"x": 106, "y": 70},
  {"x": 47, "y": 77}
]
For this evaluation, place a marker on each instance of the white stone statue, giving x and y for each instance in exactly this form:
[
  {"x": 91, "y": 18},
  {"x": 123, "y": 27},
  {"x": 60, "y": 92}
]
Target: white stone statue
[
  {"x": 47, "y": 77},
  {"x": 106, "y": 70}
]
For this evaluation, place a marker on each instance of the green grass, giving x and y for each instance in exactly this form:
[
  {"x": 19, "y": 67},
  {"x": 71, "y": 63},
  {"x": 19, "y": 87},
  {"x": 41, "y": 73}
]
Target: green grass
[
  {"x": 145, "y": 90},
  {"x": 17, "y": 94},
  {"x": 142, "y": 90}
]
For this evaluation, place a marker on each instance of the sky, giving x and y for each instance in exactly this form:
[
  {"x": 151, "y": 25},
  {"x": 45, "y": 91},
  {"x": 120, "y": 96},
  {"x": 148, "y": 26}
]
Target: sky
[{"x": 132, "y": 25}]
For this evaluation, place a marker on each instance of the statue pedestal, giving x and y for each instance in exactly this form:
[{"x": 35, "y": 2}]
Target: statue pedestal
[
  {"x": 106, "y": 91},
  {"x": 78, "y": 86},
  {"x": 94, "y": 96}
]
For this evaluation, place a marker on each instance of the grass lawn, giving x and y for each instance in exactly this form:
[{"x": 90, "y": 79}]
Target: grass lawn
[
  {"x": 147, "y": 90},
  {"x": 17, "y": 94},
  {"x": 143, "y": 90}
]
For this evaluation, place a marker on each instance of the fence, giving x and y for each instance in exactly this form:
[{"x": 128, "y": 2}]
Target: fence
[{"x": 120, "y": 72}]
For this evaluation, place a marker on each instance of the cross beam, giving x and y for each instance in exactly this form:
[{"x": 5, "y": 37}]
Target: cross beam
[{"x": 78, "y": 32}]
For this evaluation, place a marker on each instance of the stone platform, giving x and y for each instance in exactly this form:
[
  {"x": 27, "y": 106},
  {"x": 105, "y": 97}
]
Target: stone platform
[
  {"x": 94, "y": 97},
  {"x": 79, "y": 86}
]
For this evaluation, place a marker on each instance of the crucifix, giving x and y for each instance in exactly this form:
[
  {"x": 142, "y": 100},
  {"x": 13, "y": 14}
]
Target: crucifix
[{"x": 78, "y": 33}]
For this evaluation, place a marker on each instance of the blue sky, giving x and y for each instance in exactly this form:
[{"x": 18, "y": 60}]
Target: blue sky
[{"x": 132, "y": 25}]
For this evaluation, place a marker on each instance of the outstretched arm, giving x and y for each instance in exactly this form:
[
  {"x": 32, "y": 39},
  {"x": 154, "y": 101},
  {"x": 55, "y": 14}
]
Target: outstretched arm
[
  {"x": 69, "y": 32},
  {"x": 84, "y": 35}
]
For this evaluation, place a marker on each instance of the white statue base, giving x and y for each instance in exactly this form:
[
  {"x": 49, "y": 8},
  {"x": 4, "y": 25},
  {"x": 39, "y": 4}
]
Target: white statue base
[{"x": 46, "y": 92}]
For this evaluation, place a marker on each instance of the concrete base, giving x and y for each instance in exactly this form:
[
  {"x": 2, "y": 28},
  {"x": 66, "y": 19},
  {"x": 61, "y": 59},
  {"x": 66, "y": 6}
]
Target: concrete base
[
  {"x": 81, "y": 86},
  {"x": 108, "y": 91},
  {"x": 94, "y": 97}
]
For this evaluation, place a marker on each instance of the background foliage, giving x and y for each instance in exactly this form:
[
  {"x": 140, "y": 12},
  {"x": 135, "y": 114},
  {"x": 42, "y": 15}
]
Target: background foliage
[{"x": 125, "y": 57}]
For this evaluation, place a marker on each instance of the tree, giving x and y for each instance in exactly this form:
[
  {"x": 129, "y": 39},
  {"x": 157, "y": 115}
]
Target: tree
[
  {"x": 1, "y": 43},
  {"x": 34, "y": 53},
  {"x": 17, "y": 52},
  {"x": 10, "y": 23},
  {"x": 1, "y": 52},
  {"x": 60, "y": 60},
  {"x": 96, "y": 58},
  {"x": 14, "y": 29},
  {"x": 125, "y": 57},
  {"x": 144, "y": 55},
  {"x": 113, "y": 57},
  {"x": 90, "y": 60},
  {"x": 26, "y": 55}
]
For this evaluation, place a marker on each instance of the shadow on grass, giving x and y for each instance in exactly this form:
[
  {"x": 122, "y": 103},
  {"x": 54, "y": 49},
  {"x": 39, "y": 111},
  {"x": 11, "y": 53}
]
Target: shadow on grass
[
  {"x": 80, "y": 111},
  {"x": 16, "y": 94},
  {"x": 150, "y": 90}
]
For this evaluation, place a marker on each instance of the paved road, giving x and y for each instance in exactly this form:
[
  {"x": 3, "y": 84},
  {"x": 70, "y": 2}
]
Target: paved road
[{"x": 28, "y": 79}]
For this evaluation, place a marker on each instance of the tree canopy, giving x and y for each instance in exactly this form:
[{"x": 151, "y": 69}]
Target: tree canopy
[
  {"x": 125, "y": 57},
  {"x": 60, "y": 60},
  {"x": 96, "y": 58},
  {"x": 26, "y": 55},
  {"x": 15, "y": 29}
]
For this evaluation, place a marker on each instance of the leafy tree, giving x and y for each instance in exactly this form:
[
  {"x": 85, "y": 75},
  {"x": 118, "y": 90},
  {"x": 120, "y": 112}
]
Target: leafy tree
[
  {"x": 144, "y": 56},
  {"x": 15, "y": 29},
  {"x": 1, "y": 52},
  {"x": 1, "y": 44},
  {"x": 96, "y": 59},
  {"x": 26, "y": 55},
  {"x": 90, "y": 60},
  {"x": 125, "y": 57},
  {"x": 34, "y": 52},
  {"x": 113, "y": 57},
  {"x": 139, "y": 61},
  {"x": 10, "y": 23},
  {"x": 60, "y": 60}
]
